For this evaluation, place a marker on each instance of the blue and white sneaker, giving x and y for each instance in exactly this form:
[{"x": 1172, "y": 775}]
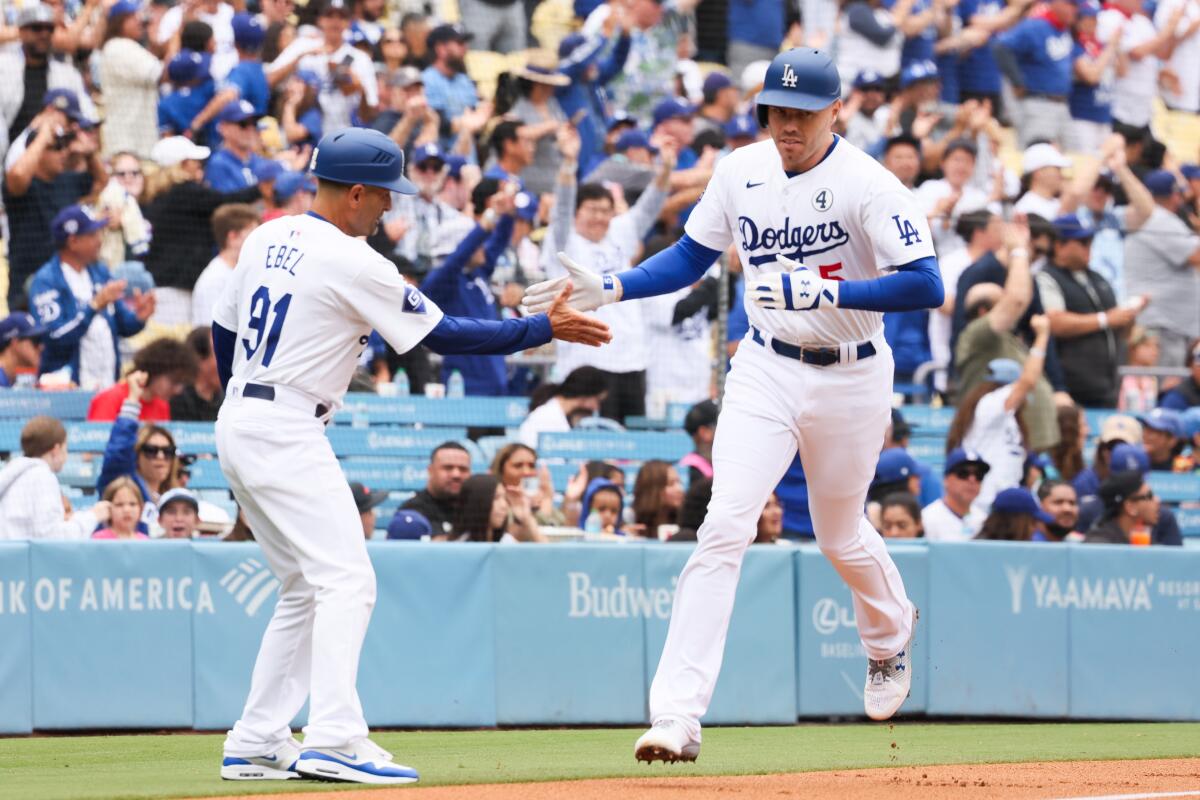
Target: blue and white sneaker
[
  {"x": 361, "y": 761},
  {"x": 889, "y": 681},
  {"x": 277, "y": 766}
]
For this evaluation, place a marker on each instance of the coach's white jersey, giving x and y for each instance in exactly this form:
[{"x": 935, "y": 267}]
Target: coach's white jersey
[
  {"x": 303, "y": 300},
  {"x": 847, "y": 218}
]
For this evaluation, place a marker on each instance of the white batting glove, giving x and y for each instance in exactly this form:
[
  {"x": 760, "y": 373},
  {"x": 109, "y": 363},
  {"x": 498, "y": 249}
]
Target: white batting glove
[
  {"x": 796, "y": 289},
  {"x": 589, "y": 290}
]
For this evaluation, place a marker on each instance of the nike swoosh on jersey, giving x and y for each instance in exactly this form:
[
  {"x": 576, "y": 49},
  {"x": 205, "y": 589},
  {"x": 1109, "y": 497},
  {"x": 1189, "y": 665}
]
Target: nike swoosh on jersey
[{"x": 750, "y": 185}]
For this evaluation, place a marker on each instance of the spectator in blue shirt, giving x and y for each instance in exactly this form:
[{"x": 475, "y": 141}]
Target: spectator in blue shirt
[
  {"x": 248, "y": 76},
  {"x": 673, "y": 121},
  {"x": 20, "y": 347},
  {"x": 978, "y": 73},
  {"x": 234, "y": 164},
  {"x": 1091, "y": 86},
  {"x": 447, "y": 86},
  {"x": 1036, "y": 56},
  {"x": 192, "y": 90},
  {"x": 583, "y": 60},
  {"x": 755, "y": 31},
  {"x": 300, "y": 115}
]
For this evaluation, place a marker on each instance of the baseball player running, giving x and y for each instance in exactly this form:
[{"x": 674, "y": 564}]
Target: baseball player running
[
  {"x": 828, "y": 240},
  {"x": 287, "y": 333}
]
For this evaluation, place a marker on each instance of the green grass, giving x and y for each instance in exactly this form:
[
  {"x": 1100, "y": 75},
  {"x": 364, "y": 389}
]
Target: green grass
[{"x": 146, "y": 766}]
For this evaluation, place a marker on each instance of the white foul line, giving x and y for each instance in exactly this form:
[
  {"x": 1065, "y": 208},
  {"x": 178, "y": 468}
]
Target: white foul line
[{"x": 1141, "y": 796}]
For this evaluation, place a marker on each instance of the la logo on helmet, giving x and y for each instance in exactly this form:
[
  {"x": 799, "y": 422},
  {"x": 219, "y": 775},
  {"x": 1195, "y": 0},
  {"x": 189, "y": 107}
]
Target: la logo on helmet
[{"x": 789, "y": 76}]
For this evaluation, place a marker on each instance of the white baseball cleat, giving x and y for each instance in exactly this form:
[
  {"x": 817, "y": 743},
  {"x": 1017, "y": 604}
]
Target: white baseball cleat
[
  {"x": 277, "y": 766},
  {"x": 889, "y": 680},
  {"x": 360, "y": 761},
  {"x": 668, "y": 741}
]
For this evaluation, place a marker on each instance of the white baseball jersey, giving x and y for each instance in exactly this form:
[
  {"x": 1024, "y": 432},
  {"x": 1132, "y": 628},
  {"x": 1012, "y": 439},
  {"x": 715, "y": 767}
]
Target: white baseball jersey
[
  {"x": 847, "y": 218},
  {"x": 304, "y": 299}
]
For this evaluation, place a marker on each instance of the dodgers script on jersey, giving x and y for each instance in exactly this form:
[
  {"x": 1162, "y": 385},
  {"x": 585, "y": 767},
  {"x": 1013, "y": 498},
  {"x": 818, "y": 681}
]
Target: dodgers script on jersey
[
  {"x": 847, "y": 218},
  {"x": 304, "y": 299}
]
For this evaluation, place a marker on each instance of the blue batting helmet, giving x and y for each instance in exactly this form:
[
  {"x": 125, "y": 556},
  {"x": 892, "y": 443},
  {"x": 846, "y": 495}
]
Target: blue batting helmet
[
  {"x": 361, "y": 155},
  {"x": 801, "y": 78}
]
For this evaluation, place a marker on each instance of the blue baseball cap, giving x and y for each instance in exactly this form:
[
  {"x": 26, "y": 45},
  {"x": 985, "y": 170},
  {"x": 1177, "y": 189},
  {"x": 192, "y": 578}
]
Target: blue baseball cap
[
  {"x": 248, "y": 32},
  {"x": 621, "y": 118},
  {"x": 1125, "y": 457},
  {"x": 715, "y": 82},
  {"x": 238, "y": 111},
  {"x": 1068, "y": 227},
  {"x": 427, "y": 152},
  {"x": 1160, "y": 183},
  {"x": 634, "y": 138},
  {"x": 527, "y": 206},
  {"x": 1166, "y": 420},
  {"x": 288, "y": 183},
  {"x": 918, "y": 71},
  {"x": 188, "y": 65},
  {"x": 455, "y": 163},
  {"x": 356, "y": 37},
  {"x": 408, "y": 525},
  {"x": 1191, "y": 171},
  {"x": 742, "y": 126},
  {"x": 67, "y": 102},
  {"x": 672, "y": 108},
  {"x": 361, "y": 155},
  {"x": 1003, "y": 371},
  {"x": 958, "y": 456},
  {"x": 124, "y": 7},
  {"x": 267, "y": 170},
  {"x": 895, "y": 464},
  {"x": 75, "y": 220},
  {"x": 1020, "y": 501},
  {"x": 868, "y": 79},
  {"x": 20, "y": 325}
]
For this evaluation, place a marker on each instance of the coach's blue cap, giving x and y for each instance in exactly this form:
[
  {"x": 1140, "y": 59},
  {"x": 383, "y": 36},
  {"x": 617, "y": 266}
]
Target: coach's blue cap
[
  {"x": 1020, "y": 501},
  {"x": 1125, "y": 457},
  {"x": 287, "y": 184},
  {"x": 124, "y": 7},
  {"x": 20, "y": 325},
  {"x": 1163, "y": 419},
  {"x": 188, "y": 65},
  {"x": 526, "y": 204},
  {"x": 918, "y": 71},
  {"x": 74, "y": 220},
  {"x": 1003, "y": 371},
  {"x": 958, "y": 456},
  {"x": 868, "y": 79},
  {"x": 742, "y": 126},
  {"x": 634, "y": 138},
  {"x": 238, "y": 111},
  {"x": 1069, "y": 227},
  {"x": 1160, "y": 183},
  {"x": 408, "y": 525},
  {"x": 895, "y": 464},
  {"x": 428, "y": 152},
  {"x": 361, "y": 155},
  {"x": 672, "y": 108},
  {"x": 248, "y": 32}
]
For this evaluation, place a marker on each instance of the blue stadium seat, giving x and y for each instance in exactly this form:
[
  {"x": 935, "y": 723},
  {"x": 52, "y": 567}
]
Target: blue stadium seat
[
  {"x": 409, "y": 476},
  {"x": 390, "y": 441},
  {"x": 22, "y": 404},
  {"x": 206, "y": 474},
  {"x": 1189, "y": 521},
  {"x": 627, "y": 446},
  {"x": 1175, "y": 487},
  {"x": 364, "y": 408},
  {"x": 927, "y": 420}
]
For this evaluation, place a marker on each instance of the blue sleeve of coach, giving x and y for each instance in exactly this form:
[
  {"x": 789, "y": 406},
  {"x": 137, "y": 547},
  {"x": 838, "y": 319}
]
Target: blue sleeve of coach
[
  {"x": 223, "y": 345},
  {"x": 914, "y": 286},
  {"x": 680, "y": 265},
  {"x": 465, "y": 335}
]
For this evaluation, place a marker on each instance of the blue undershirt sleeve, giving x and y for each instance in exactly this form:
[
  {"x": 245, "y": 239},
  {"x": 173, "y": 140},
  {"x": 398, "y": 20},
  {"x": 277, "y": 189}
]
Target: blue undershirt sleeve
[
  {"x": 914, "y": 286},
  {"x": 223, "y": 345},
  {"x": 680, "y": 265},
  {"x": 465, "y": 335}
]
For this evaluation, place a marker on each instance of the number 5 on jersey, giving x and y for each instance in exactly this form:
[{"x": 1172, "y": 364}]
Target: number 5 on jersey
[{"x": 260, "y": 309}]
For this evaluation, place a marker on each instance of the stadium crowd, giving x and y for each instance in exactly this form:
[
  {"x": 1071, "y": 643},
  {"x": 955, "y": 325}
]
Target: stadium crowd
[{"x": 1054, "y": 145}]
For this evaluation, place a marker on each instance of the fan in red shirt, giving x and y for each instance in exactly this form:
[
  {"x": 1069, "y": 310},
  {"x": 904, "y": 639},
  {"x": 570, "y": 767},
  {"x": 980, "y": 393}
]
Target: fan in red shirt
[{"x": 169, "y": 363}]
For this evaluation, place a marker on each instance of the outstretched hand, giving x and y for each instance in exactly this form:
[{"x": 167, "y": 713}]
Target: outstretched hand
[
  {"x": 590, "y": 290},
  {"x": 569, "y": 325}
]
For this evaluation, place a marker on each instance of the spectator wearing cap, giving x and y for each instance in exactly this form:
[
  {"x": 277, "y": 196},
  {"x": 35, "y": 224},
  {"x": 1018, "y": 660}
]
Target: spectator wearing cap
[
  {"x": 218, "y": 15},
  {"x": 865, "y": 114},
  {"x": 1113, "y": 224},
  {"x": 179, "y": 514},
  {"x": 1128, "y": 458},
  {"x": 83, "y": 309},
  {"x": 31, "y": 502},
  {"x": 293, "y": 194},
  {"x": 201, "y": 397},
  {"x": 190, "y": 107},
  {"x": 954, "y": 517},
  {"x": 438, "y": 502},
  {"x": 1093, "y": 70},
  {"x": 1043, "y": 183},
  {"x": 869, "y": 38},
  {"x": 1142, "y": 45},
  {"x": 740, "y": 131},
  {"x": 41, "y": 181},
  {"x": 422, "y": 229},
  {"x": 1116, "y": 429},
  {"x": 584, "y": 225},
  {"x": 366, "y": 501},
  {"x": 1087, "y": 324},
  {"x": 449, "y": 89},
  {"x": 28, "y": 71},
  {"x": 917, "y": 109},
  {"x": 179, "y": 207},
  {"x": 1015, "y": 516},
  {"x": 300, "y": 111},
  {"x": 700, "y": 423},
  {"x": 408, "y": 525},
  {"x": 1186, "y": 394},
  {"x": 591, "y": 62},
  {"x": 248, "y": 75},
  {"x": 541, "y": 116},
  {"x": 405, "y": 114},
  {"x": 461, "y": 284},
  {"x": 235, "y": 164},
  {"x": 902, "y": 157},
  {"x": 895, "y": 472},
  {"x": 1035, "y": 55},
  {"x": 20, "y": 347},
  {"x": 168, "y": 365},
  {"x": 1162, "y": 437},
  {"x": 988, "y": 421},
  {"x": 631, "y": 164},
  {"x": 673, "y": 123},
  {"x": 231, "y": 224},
  {"x": 1162, "y": 259},
  {"x": 649, "y": 71},
  {"x": 129, "y": 77},
  {"x": 1129, "y": 505},
  {"x": 720, "y": 104},
  {"x": 946, "y": 199}
]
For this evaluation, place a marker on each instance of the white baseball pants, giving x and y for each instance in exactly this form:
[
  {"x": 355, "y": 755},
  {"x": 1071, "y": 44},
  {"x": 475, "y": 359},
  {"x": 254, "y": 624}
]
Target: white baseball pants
[
  {"x": 837, "y": 417},
  {"x": 286, "y": 478}
]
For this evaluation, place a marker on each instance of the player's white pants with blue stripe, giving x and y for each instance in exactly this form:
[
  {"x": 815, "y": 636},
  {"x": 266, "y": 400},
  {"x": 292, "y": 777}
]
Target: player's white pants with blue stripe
[
  {"x": 837, "y": 416},
  {"x": 287, "y": 481}
]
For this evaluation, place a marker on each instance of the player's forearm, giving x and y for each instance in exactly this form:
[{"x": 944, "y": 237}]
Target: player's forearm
[
  {"x": 914, "y": 286},
  {"x": 224, "y": 341},
  {"x": 680, "y": 265},
  {"x": 468, "y": 336}
]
